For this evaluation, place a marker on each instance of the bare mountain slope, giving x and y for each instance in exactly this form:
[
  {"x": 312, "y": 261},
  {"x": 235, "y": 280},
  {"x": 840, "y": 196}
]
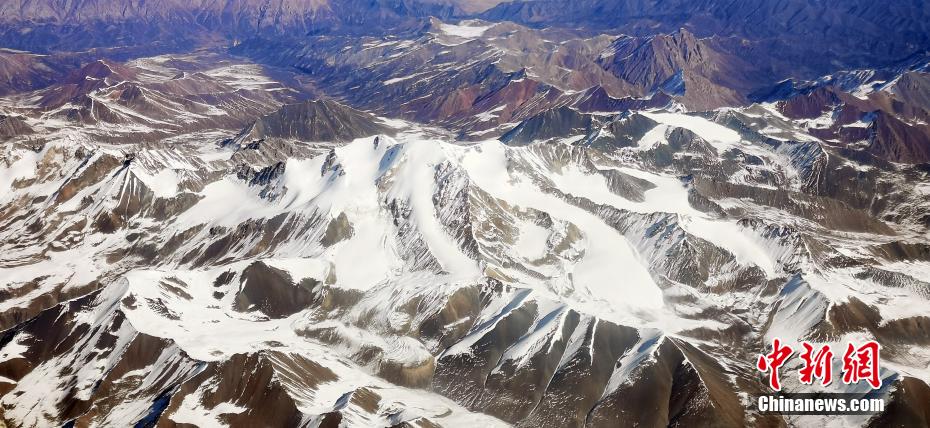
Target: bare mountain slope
[{"x": 320, "y": 121}]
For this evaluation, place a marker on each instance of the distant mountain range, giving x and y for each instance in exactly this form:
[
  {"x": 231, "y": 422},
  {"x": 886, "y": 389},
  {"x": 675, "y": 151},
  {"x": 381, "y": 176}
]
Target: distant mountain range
[
  {"x": 48, "y": 25},
  {"x": 856, "y": 32}
]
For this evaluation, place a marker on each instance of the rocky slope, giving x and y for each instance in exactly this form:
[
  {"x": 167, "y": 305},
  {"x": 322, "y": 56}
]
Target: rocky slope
[
  {"x": 481, "y": 78},
  {"x": 148, "y": 99},
  {"x": 318, "y": 120},
  {"x": 798, "y": 33}
]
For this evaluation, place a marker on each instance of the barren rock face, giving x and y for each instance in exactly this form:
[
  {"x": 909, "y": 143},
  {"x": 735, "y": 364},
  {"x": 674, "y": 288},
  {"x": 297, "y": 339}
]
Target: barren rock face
[
  {"x": 273, "y": 292},
  {"x": 402, "y": 213},
  {"x": 319, "y": 121}
]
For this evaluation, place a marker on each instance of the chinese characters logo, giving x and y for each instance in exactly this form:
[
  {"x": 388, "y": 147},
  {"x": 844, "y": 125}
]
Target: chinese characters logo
[{"x": 860, "y": 363}]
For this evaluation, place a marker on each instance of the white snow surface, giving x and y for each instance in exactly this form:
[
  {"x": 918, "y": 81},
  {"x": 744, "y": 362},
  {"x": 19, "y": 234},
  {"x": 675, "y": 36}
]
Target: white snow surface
[
  {"x": 718, "y": 135},
  {"x": 465, "y": 29},
  {"x": 610, "y": 272}
]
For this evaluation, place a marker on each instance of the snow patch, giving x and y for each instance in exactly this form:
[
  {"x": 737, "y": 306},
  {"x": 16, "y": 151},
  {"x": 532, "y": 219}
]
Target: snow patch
[
  {"x": 719, "y": 136},
  {"x": 464, "y": 30}
]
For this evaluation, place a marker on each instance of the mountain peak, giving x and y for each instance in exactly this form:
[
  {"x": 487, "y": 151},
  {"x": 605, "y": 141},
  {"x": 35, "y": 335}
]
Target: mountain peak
[
  {"x": 102, "y": 69},
  {"x": 320, "y": 120}
]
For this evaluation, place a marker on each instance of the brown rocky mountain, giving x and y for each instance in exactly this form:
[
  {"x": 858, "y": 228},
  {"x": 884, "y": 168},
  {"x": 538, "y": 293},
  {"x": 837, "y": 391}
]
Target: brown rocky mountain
[
  {"x": 805, "y": 34},
  {"x": 468, "y": 7},
  {"x": 503, "y": 73},
  {"x": 890, "y": 120},
  {"x": 13, "y": 126},
  {"x": 315, "y": 121},
  {"x": 152, "y": 98},
  {"x": 898, "y": 141},
  {"x": 700, "y": 70},
  {"x": 23, "y": 71}
]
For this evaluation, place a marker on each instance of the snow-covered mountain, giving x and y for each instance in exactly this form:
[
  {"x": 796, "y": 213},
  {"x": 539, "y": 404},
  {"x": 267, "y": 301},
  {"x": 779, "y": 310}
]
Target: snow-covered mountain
[
  {"x": 414, "y": 279},
  {"x": 364, "y": 214}
]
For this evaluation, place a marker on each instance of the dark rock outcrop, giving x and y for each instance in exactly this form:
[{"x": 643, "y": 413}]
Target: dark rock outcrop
[
  {"x": 273, "y": 292},
  {"x": 562, "y": 122},
  {"x": 315, "y": 121}
]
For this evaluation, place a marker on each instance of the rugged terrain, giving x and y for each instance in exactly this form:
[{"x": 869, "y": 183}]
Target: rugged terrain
[{"x": 398, "y": 213}]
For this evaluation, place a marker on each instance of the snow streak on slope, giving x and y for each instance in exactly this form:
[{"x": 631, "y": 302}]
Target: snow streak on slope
[
  {"x": 670, "y": 195},
  {"x": 416, "y": 181},
  {"x": 609, "y": 270}
]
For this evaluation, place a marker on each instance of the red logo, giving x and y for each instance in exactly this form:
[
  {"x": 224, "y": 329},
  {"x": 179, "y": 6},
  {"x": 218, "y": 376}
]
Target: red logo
[
  {"x": 819, "y": 365},
  {"x": 771, "y": 362},
  {"x": 862, "y": 363},
  {"x": 859, "y": 363}
]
